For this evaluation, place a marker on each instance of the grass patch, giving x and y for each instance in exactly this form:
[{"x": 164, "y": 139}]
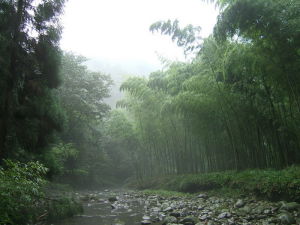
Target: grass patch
[
  {"x": 165, "y": 193},
  {"x": 269, "y": 184}
]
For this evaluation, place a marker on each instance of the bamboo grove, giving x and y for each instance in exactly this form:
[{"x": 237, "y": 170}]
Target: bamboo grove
[{"x": 235, "y": 106}]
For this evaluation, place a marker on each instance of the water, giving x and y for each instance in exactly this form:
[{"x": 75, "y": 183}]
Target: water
[{"x": 128, "y": 210}]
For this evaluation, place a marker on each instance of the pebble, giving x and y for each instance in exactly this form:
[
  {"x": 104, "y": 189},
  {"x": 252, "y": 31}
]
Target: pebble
[{"x": 202, "y": 210}]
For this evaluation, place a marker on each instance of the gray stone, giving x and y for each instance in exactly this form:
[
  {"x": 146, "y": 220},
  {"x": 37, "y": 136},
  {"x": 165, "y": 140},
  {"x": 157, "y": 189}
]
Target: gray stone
[
  {"x": 189, "y": 220},
  {"x": 169, "y": 219},
  {"x": 146, "y": 218},
  {"x": 204, "y": 217},
  {"x": 224, "y": 215},
  {"x": 168, "y": 209},
  {"x": 204, "y": 196},
  {"x": 146, "y": 222},
  {"x": 240, "y": 203},
  {"x": 112, "y": 199},
  {"x": 287, "y": 218},
  {"x": 290, "y": 206},
  {"x": 175, "y": 214}
]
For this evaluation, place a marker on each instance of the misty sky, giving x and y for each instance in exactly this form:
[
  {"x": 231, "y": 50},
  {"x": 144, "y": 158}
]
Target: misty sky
[{"x": 119, "y": 29}]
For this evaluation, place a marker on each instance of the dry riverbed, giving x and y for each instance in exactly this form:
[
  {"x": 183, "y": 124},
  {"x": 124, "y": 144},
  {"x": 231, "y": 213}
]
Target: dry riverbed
[{"x": 130, "y": 207}]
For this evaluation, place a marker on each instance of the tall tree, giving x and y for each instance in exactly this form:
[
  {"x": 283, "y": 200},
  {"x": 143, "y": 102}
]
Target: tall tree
[
  {"x": 82, "y": 97},
  {"x": 30, "y": 58}
]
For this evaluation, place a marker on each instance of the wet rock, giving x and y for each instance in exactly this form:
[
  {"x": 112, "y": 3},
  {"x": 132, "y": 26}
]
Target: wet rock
[
  {"x": 287, "y": 218},
  {"x": 112, "y": 199},
  {"x": 246, "y": 209},
  {"x": 168, "y": 209},
  {"x": 290, "y": 206},
  {"x": 169, "y": 219},
  {"x": 204, "y": 217},
  {"x": 175, "y": 214},
  {"x": 146, "y": 218},
  {"x": 189, "y": 220},
  {"x": 203, "y": 196},
  {"x": 85, "y": 198},
  {"x": 267, "y": 211},
  {"x": 146, "y": 222},
  {"x": 258, "y": 210},
  {"x": 155, "y": 209},
  {"x": 240, "y": 203},
  {"x": 224, "y": 215}
]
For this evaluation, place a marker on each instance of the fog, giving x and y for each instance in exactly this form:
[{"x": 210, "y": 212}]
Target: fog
[{"x": 115, "y": 34}]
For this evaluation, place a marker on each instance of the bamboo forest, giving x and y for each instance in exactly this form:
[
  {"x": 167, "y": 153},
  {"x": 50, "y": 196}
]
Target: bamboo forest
[{"x": 212, "y": 138}]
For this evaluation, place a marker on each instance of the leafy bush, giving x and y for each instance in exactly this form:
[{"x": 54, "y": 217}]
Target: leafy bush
[
  {"x": 22, "y": 196},
  {"x": 62, "y": 208},
  {"x": 20, "y": 191}
]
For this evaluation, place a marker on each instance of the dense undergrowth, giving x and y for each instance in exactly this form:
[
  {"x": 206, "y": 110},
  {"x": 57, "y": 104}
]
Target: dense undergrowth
[
  {"x": 23, "y": 199},
  {"x": 269, "y": 184}
]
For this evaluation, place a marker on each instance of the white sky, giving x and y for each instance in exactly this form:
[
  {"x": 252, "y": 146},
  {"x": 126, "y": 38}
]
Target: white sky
[{"x": 119, "y": 29}]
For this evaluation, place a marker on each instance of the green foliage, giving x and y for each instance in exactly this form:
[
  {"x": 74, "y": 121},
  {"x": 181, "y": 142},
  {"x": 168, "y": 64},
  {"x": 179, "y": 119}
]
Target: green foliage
[
  {"x": 235, "y": 106},
  {"x": 268, "y": 184},
  {"x": 20, "y": 192},
  {"x": 187, "y": 37},
  {"x": 62, "y": 208},
  {"x": 58, "y": 156},
  {"x": 79, "y": 158},
  {"x": 166, "y": 193},
  {"x": 119, "y": 144},
  {"x": 30, "y": 58}
]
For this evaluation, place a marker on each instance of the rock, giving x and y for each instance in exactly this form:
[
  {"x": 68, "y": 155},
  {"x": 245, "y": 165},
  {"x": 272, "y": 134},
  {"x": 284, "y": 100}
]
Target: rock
[
  {"x": 146, "y": 218},
  {"x": 85, "y": 198},
  {"x": 290, "y": 206},
  {"x": 155, "y": 209},
  {"x": 246, "y": 209},
  {"x": 168, "y": 209},
  {"x": 175, "y": 214},
  {"x": 267, "y": 211},
  {"x": 169, "y": 219},
  {"x": 189, "y": 220},
  {"x": 200, "y": 207},
  {"x": 240, "y": 203},
  {"x": 146, "y": 222},
  {"x": 112, "y": 199},
  {"x": 224, "y": 215},
  {"x": 287, "y": 218},
  {"x": 204, "y": 196},
  {"x": 204, "y": 217},
  {"x": 258, "y": 210}
]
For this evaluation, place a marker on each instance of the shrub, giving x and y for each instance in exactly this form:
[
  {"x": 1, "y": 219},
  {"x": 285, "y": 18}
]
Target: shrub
[{"x": 20, "y": 191}]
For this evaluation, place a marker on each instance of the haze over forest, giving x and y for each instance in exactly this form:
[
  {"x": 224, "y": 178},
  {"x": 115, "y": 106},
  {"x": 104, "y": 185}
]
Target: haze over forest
[{"x": 155, "y": 112}]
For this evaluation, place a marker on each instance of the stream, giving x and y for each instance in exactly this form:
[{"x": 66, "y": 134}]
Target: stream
[
  {"x": 106, "y": 208},
  {"x": 130, "y": 207}
]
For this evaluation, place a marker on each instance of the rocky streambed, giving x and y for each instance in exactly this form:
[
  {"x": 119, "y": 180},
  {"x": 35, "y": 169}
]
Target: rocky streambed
[{"x": 128, "y": 208}]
